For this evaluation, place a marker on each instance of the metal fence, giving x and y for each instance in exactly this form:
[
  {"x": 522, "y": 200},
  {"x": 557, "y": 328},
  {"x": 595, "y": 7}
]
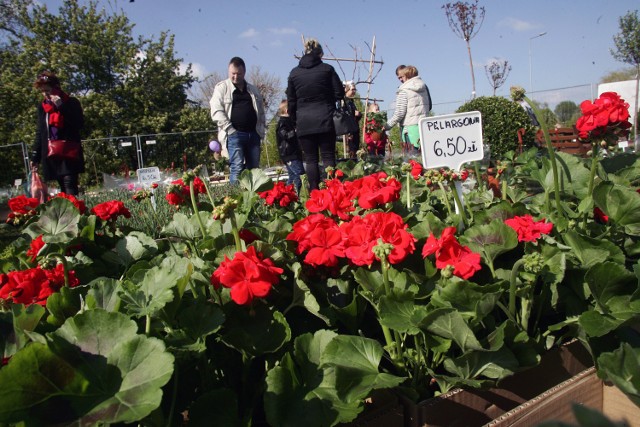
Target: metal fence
[{"x": 15, "y": 167}]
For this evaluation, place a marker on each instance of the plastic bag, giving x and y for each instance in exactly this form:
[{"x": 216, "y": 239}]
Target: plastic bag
[{"x": 38, "y": 188}]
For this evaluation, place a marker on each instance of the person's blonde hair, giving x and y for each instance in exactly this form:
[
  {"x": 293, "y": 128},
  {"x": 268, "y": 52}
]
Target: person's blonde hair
[
  {"x": 409, "y": 72},
  {"x": 283, "y": 108},
  {"x": 313, "y": 46}
]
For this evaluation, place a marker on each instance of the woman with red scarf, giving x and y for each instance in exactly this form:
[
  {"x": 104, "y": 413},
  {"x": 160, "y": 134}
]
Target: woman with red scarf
[{"x": 60, "y": 117}]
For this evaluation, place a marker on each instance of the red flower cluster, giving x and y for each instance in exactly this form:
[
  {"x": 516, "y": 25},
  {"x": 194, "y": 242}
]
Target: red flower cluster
[
  {"x": 606, "y": 118},
  {"x": 416, "y": 169},
  {"x": 370, "y": 192},
  {"x": 33, "y": 286},
  {"x": 361, "y": 234},
  {"x": 79, "y": 204},
  {"x": 528, "y": 229},
  {"x": 326, "y": 242},
  {"x": 111, "y": 210},
  {"x": 21, "y": 207},
  {"x": 376, "y": 190},
  {"x": 281, "y": 194},
  {"x": 449, "y": 252},
  {"x": 178, "y": 193},
  {"x": 336, "y": 199},
  {"x": 34, "y": 248},
  {"x": 321, "y": 237},
  {"x": 248, "y": 275}
]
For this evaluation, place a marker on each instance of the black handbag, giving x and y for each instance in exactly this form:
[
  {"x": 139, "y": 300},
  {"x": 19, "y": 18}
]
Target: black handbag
[{"x": 343, "y": 120}]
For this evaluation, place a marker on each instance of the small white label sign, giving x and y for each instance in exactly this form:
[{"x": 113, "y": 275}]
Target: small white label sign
[
  {"x": 17, "y": 182},
  {"x": 148, "y": 175},
  {"x": 451, "y": 140}
]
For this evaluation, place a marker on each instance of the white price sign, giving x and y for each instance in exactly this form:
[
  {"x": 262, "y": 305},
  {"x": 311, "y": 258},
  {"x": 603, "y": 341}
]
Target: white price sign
[
  {"x": 451, "y": 140},
  {"x": 148, "y": 176}
]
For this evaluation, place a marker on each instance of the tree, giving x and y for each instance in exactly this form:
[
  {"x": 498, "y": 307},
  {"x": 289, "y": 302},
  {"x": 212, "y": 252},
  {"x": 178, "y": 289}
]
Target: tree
[
  {"x": 627, "y": 50},
  {"x": 619, "y": 76},
  {"x": 465, "y": 20},
  {"x": 126, "y": 86},
  {"x": 567, "y": 112},
  {"x": 497, "y": 72}
]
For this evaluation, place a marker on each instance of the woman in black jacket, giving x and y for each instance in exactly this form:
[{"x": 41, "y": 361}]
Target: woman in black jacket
[
  {"x": 313, "y": 89},
  {"x": 60, "y": 117}
]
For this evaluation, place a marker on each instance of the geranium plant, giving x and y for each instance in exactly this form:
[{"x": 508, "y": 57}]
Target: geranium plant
[{"x": 265, "y": 307}]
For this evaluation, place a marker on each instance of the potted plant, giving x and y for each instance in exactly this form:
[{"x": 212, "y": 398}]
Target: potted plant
[{"x": 263, "y": 308}]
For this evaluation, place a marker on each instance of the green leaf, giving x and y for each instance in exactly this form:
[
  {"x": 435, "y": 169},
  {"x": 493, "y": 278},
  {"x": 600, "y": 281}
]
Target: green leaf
[
  {"x": 469, "y": 299},
  {"x": 103, "y": 293},
  {"x": 355, "y": 360},
  {"x": 135, "y": 246},
  {"x": 608, "y": 280},
  {"x": 489, "y": 364},
  {"x": 621, "y": 204},
  {"x": 622, "y": 367},
  {"x": 254, "y": 331},
  {"x": 591, "y": 251},
  {"x": 323, "y": 383},
  {"x": 58, "y": 223},
  {"x": 401, "y": 313},
  {"x": 490, "y": 240},
  {"x": 63, "y": 305},
  {"x": 150, "y": 294},
  {"x": 255, "y": 180},
  {"x": 15, "y": 325},
  {"x": 449, "y": 323},
  {"x": 183, "y": 227},
  {"x": 94, "y": 367}
]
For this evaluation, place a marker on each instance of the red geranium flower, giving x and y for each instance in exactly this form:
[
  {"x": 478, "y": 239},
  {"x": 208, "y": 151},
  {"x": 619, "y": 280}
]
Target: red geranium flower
[
  {"x": 605, "y": 118},
  {"x": 528, "y": 229},
  {"x": 34, "y": 248},
  {"x": 248, "y": 275},
  {"x": 449, "y": 251},
  {"x": 248, "y": 236},
  {"x": 111, "y": 210},
  {"x": 303, "y": 229},
  {"x": 33, "y": 286},
  {"x": 22, "y": 204},
  {"x": 281, "y": 194},
  {"x": 336, "y": 198},
  {"x": 599, "y": 216},
  {"x": 361, "y": 235},
  {"x": 376, "y": 190},
  {"x": 416, "y": 169},
  {"x": 79, "y": 204}
]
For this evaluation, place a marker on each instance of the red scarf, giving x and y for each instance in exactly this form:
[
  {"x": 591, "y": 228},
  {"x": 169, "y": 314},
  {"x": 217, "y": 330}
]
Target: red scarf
[{"x": 55, "y": 116}]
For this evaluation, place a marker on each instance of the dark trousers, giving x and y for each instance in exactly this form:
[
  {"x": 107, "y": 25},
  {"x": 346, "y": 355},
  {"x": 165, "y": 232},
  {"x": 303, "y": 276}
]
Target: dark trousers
[
  {"x": 311, "y": 145},
  {"x": 69, "y": 184}
]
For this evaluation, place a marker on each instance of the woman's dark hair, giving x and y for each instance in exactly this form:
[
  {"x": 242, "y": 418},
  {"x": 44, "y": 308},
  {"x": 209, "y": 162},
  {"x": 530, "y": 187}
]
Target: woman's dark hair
[{"x": 46, "y": 78}]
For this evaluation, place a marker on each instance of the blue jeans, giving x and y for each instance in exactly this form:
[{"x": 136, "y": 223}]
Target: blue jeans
[
  {"x": 244, "y": 153},
  {"x": 295, "y": 168}
]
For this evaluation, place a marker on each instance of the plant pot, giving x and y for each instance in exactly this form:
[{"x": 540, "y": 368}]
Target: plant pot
[{"x": 479, "y": 407}]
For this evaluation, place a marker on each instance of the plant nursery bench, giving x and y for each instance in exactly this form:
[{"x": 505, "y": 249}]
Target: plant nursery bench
[{"x": 565, "y": 140}]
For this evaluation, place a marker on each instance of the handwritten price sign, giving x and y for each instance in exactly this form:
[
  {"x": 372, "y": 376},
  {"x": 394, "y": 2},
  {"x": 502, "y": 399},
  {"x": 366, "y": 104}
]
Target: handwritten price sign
[
  {"x": 451, "y": 140},
  {"x": 147, "y": 176}
]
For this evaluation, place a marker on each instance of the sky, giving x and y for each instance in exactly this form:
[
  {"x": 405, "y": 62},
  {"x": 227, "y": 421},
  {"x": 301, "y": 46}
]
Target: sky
[{"x": 566, "y": 63}]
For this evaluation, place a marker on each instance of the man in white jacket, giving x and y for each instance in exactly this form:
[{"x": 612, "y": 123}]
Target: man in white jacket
[{"x": 238, "y": 109}]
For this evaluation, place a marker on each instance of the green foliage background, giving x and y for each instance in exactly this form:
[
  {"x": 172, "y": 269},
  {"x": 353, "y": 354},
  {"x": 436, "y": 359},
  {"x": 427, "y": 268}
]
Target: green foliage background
[{"x": 501, "y": 119}]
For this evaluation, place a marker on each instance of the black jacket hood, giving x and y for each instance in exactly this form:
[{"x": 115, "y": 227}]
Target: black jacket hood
[{"x": 309, "y": 61}]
